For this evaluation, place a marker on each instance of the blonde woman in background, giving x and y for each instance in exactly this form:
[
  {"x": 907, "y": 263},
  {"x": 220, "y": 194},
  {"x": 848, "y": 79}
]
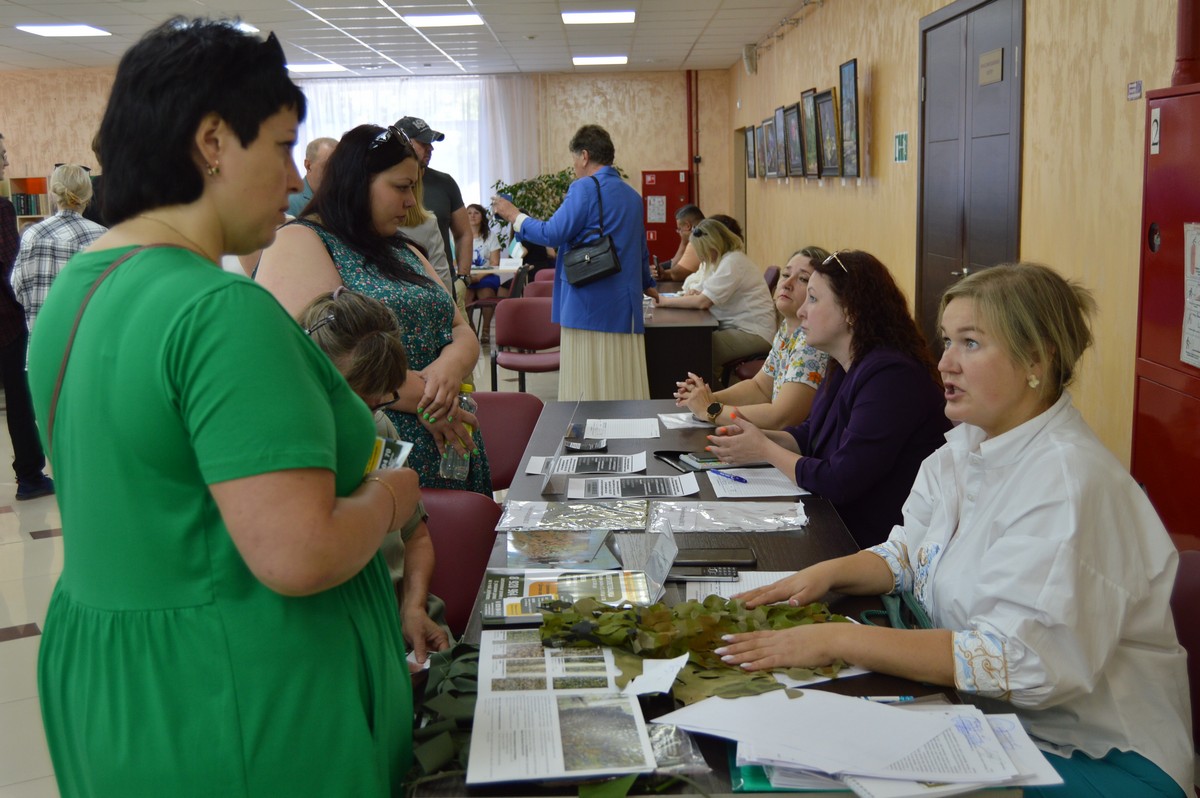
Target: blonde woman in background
[
  {"x": 48, "y": 245},
  {"x": 420, "y": 225}
]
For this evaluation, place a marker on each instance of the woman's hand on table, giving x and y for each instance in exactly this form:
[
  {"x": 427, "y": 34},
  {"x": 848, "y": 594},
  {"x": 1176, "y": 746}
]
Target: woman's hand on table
[
  {"x": 694, "y": 394},
  {"x": 802, "y": 587},
  {"x": 740, "y": 442},
  {"x": 422, "y": 634},
  {"x": 810, "y": 646}
]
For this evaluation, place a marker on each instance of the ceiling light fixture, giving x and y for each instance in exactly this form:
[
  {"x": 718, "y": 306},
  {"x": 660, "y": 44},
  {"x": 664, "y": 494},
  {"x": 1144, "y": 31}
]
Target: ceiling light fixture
[
  {"x": 599, "y": 60},
  {"x": 63, "y": 30},
  {"x": 328, "y": 66},
  {"x": 442, "y": 20},
  {"x": 598, "y": 17}
]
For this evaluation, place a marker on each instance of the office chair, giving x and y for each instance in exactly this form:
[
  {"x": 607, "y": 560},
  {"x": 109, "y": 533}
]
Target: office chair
[
  {"x": 541, "y": 288},
  {"x": 506, "y": 422},
  {"x": 515, "y": 290},
  {"x": 462, "y": 524},
  {"x": 523, "y": 329}
]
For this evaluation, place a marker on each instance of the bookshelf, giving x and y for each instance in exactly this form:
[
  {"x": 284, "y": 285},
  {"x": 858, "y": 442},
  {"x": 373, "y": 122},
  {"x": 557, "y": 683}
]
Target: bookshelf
[{"x": 29, "y": 196}]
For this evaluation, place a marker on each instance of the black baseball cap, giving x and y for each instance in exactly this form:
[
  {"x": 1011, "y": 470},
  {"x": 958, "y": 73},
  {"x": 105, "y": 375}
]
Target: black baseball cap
[{"x": 418, "y": 130}]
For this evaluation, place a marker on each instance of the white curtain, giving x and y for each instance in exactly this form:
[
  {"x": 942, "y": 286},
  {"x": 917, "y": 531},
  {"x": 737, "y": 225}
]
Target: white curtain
[{"x": 491, "y": 123}]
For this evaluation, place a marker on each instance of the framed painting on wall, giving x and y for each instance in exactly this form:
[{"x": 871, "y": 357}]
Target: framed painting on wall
[
  {"x": 849, "y": 87},
  {"x": 760, "y": 151},
  {"x": 772, "y": 144},
  {"x": 781, "y": 142},
  {"x": 827, "y": 132},
  {"x": 808, "y": 130},
  {"x": 751, "y": 171},
  {"x": 793, "y": 139}
]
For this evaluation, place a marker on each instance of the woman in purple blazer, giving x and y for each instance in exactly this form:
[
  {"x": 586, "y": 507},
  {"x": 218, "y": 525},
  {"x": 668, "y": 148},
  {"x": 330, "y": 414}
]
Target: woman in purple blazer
[{"x": 878, "y": 413}]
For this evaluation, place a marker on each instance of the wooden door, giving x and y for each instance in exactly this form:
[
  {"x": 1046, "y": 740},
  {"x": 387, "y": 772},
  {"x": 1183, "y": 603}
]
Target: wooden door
[{"x": 969, "y": 197}]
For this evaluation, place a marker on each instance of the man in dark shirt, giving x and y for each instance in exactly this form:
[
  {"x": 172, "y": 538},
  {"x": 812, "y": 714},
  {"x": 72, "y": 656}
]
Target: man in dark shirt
[
  {"x": 442, "y": 195},
  {"x": 28, "y": 458}
]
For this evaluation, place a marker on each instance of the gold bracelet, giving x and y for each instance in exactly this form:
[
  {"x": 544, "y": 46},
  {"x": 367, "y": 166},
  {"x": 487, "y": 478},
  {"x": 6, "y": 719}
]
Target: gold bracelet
[{"x": 395, "y": 501}]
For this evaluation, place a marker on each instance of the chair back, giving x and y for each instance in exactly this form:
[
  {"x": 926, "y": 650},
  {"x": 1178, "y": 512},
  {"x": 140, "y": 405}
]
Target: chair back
[
  {"x": 771, "y": 275},
  {"x": 524, "y": 323},
  {"x": 544, "y": 276},
  {"x": 1185, "y": 598},
  {"x": 539, "y": 289},
  {"x": 506, "y": 421},
  {"x": 519, "y": 282},
  {"x": 462, "y": 524}
]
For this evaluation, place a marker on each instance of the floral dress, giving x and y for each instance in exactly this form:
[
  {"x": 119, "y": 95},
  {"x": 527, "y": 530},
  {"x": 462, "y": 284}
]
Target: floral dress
[
  {"x": 426, "y": 315},
  {"x": 793, "y": 360}
]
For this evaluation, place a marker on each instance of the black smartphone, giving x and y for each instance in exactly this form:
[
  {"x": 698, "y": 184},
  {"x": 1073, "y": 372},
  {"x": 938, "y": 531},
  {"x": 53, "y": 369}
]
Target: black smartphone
[
  {"x": 740, "y": 556},
  {"x": 703, "y": 573}
]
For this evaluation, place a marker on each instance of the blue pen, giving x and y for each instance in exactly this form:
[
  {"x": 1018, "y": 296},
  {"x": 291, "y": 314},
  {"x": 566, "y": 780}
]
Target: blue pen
[
  {"x": 734, "y": 477},
  {"x": 887, "y": 699}
]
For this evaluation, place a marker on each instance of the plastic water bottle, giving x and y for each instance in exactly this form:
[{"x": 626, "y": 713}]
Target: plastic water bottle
[{"x": 456, "y": 465}]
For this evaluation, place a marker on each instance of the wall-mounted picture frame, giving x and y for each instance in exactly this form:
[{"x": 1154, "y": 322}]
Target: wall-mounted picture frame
[
  {"x": 848, "y": 84},
  {"x": 793, "y": 140},
  {"x": 808, "y": 129},
  {"x": 772, "y": 144},
  {"x": 751, "y": 164},
  {"x": 760, "y": 151},
  {"x": 781, "y": 142},
  {"x": 827, "y": 133}
]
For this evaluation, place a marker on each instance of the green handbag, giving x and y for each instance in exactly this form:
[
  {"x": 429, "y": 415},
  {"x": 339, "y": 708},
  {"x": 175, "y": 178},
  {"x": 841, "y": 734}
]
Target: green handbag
[{"x": 902, "y": 611}]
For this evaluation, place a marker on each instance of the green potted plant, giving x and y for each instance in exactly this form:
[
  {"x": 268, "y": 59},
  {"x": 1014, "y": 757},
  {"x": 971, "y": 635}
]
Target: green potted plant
[{"x": 538, "y": 196}]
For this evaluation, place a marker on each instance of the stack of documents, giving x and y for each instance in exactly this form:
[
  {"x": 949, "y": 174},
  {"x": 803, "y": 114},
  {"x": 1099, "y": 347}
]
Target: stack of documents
[{"x": 876, "y": 750}]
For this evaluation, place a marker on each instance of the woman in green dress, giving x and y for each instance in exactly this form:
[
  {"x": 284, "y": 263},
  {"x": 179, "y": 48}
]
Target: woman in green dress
[
  {"x": 224, "y": 623},
  {"x": 351, "y": 236}
]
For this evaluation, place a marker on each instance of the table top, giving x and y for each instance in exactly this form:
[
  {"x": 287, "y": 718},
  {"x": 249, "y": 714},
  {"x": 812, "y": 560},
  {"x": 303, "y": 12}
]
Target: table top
[{"x": 679, "y": 317}]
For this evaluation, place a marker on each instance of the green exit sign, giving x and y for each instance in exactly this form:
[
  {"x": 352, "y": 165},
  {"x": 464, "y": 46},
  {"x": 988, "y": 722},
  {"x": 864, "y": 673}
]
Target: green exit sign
[{"x": 901, "y": 150}]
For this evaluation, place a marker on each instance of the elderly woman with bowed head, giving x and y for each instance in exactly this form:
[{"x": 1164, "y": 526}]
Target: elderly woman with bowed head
[
  {"x": 877, "y": 414},
  {"x": 1042, "y": 565},
  {"x": 351, "y": 236},
  {"x": 224, "y": 623},
  {"x": 603, "y": 348}
]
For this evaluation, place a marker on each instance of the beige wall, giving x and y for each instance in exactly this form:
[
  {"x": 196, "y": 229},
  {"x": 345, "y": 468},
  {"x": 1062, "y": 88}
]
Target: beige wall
[
  {"x": 1082, "y": 155},
  {"x": 49, "y": 116}
]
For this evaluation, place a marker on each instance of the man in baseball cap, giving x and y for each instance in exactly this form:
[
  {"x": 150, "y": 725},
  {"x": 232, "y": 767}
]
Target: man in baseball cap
[{"x": 443, "y": 198}]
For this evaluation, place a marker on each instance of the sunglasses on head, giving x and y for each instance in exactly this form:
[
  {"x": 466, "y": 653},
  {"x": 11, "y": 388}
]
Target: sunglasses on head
[
  {"x": 834, "y": 257},
  {"x": 388, "y": 134},
  {"x": 328, "y": 318},
  {"x": 81, "y": 166}
]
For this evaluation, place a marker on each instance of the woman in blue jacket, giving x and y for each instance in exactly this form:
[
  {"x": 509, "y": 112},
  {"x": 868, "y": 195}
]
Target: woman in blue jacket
[{"x": 603, "y": 352}]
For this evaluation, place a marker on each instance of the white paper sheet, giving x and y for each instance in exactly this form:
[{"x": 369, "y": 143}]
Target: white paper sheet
[
  {"x": 617, "y": 428},
  {"x": 590, "y": 464},
  {"x": 632, "y": 487},
  {"x": 658, "y": 676},
  {"x": 683, "y": 421},
  {"x": 759, "y": 482},
  {"x": 747, "y": 580}
]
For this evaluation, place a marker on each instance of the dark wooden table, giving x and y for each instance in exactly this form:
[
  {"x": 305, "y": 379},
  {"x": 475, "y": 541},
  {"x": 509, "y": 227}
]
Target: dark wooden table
[{"x": 678, "y": 340}]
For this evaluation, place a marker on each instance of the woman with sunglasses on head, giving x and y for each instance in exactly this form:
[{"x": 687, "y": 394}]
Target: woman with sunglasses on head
[
  {"x": 877, "y": 414},
  {"x": 222, "y": 585},
  {"x": 1042, "y": 565},
  {"x": 781, "y": 393},
  {"x": 734, "y": 291},
  {"x": 349, "y": 235}
]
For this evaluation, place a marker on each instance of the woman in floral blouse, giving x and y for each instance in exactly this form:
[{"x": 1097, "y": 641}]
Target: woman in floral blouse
[{"x": 781, "y": 394}]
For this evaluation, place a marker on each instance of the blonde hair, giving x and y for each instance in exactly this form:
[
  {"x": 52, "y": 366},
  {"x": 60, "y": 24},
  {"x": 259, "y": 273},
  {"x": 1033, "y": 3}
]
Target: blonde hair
[
  {"x": 71, "y": 187},
  {"x": 361, "y": 337},
  {"x": 1035, "y": 314},
  {"x": 418, "y": 214},
  {"x": 712, "y": 240}
]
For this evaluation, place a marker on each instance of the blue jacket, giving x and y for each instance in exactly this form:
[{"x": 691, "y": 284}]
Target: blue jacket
[{"x": 613, "y": 304}]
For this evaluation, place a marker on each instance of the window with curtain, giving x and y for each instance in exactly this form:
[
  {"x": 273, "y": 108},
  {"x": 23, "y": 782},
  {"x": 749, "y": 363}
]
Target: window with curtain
[{"x": 490, "y": 122}]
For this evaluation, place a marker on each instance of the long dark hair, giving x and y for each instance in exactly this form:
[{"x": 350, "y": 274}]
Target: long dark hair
[
  {"x": 485, "y": 222},
  {"x": 342, "y": 202},
  {"x": 875, "y": 306}
]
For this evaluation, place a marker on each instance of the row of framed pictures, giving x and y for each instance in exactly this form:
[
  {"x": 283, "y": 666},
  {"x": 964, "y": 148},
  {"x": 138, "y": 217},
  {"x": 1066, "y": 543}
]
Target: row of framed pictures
[{"x": 807, "y": 139}]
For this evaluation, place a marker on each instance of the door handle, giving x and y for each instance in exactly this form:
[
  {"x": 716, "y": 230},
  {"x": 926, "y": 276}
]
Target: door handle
[{"x": 966, "y": 270}]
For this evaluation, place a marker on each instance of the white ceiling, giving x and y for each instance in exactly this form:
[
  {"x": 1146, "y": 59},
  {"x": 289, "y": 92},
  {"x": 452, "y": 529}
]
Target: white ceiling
[{"x": 368, "y": 38}]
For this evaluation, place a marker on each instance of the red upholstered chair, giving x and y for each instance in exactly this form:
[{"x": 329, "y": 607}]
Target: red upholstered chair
[
  {"x": 1185, "y": 599},
  {"x": 544, "y": 276},
  {"x": 506, "y": 421},
  {"x": 771, "y": 275},
  {"x": 515, "y": 289},
  {"x": 462, "y": 524},
  {"x": 523, "y": 331},
  {"x": 539, "y": 289}
]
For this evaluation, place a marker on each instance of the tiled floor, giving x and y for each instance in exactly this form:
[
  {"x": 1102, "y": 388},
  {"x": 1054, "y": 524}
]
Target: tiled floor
[{"x": 31, "y": 558}]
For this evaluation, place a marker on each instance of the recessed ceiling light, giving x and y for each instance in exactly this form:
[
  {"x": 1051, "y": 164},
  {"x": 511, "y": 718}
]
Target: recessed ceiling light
[
  {"x": 597, "y": 17},
  {"x": 63, "y": 30},
  {"x": 599, "y": 60},
  {"x": 442, "y": 20},
  {"x": 319, "y": 67}
]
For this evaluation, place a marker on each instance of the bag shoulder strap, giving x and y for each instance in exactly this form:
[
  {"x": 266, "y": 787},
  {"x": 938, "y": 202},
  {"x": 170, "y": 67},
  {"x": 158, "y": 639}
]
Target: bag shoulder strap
[
  {"x": 600, "y": 202},
  {"x": 62, "y": 368}
]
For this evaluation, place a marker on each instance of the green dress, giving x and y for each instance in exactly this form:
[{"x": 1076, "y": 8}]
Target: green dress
[
  {"x": 426, "y": 315},
  {"x": 166, "y": 667}
]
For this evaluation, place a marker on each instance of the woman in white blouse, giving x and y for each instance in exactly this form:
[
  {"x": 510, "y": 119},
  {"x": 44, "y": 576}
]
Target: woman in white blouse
[
  {"x": 485, "y": 255},
  {"x": 1042, "y": 565},
  {"x": 734, "y": 291}
]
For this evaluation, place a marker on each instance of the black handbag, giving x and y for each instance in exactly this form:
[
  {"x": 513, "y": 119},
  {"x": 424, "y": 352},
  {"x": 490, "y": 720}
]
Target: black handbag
[{"x": 588, "y": 263}]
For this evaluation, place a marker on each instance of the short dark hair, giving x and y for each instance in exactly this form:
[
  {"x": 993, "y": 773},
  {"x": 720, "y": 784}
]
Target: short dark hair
[
  {"x": 729, "y": 222},
  {"x": 690, "y": 214},
  {"x": 165, "y": 84},
  {"x": 342, "y": 203},
  {"x": 597, "y": 142},
  {"x": 875, "y": 305}
]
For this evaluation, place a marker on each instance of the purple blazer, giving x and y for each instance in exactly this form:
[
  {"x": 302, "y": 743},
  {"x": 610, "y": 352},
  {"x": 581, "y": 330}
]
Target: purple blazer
[{"x": 865, "y": 438}]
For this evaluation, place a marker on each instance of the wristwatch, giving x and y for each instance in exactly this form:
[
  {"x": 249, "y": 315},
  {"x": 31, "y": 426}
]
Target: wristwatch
[{"x": 713, "y": 411}]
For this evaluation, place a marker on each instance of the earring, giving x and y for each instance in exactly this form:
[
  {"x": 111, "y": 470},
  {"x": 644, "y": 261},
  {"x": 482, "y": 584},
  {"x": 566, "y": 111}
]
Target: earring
[
  {"x": 1033, "y": 381},
  {"x": 214, "y": 170}
]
